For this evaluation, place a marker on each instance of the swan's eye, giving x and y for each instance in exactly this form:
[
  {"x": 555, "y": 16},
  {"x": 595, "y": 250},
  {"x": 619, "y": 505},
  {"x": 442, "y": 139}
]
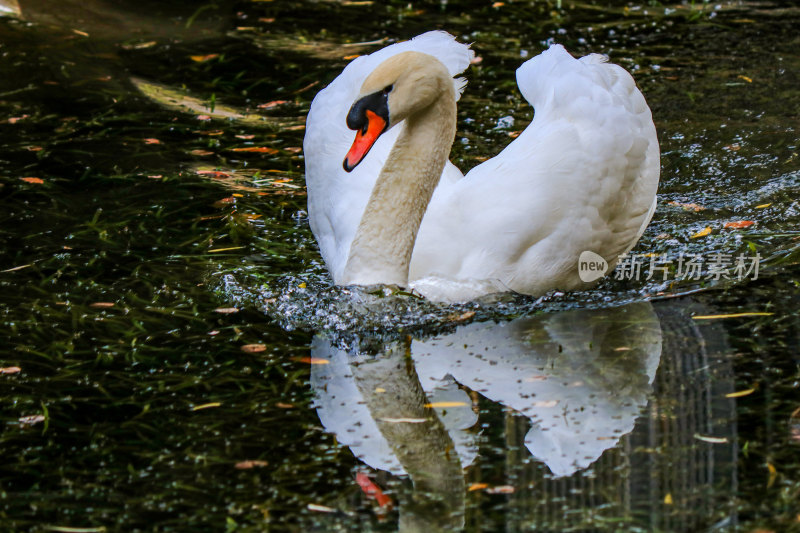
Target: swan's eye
[{"x": 388, "y": 89}]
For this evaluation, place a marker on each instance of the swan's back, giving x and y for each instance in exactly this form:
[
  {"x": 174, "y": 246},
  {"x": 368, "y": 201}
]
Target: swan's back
[
  {"x": 337, "y": 199},
  {"x": 582, "y": 176}
]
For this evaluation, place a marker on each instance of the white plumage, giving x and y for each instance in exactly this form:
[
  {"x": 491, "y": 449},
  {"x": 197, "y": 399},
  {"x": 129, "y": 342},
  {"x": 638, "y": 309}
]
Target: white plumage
[{"x": 582, "y": 176}]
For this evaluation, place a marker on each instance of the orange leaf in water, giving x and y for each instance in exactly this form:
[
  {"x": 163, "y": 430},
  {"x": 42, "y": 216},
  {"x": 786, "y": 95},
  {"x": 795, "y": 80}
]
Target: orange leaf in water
[
  {"x": 311, "y": 360},
  {"x": 253, "y": 348},
  {"x": 203, "y": 58},
  {"x": 257, "y": 149},
  {"x": 739, "y": 224},
  {"x": 477, "y": 486},
  {"x": 38, "y": 181},
  {"x": 201, "y": 152},
  {"x": 274, "y": 103},
  {"x": 372, "y": 490},
  {"x": 152, "y": 141},
  {"x": 214, "y": 173},
  {"x": 348, "y": 58},
  {"x": 246, "y": 465},
  {"x": 245, "y": 136}
]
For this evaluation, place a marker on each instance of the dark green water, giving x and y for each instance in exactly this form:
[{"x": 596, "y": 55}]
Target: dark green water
[{"x": 136, "y": 409}]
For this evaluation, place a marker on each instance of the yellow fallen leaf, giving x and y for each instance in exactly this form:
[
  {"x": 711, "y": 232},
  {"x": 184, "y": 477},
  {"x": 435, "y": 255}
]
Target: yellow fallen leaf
[
  {"x": 732, "y": 315},
  {"x": 739, "y": 394},
  {"x": 445, "y": 404},
  {"x": 380, "y": 389},
  {"x": 702, "y": 233},
  {"x": 668, "y": 499},
  {"x": 227, "y": 249},
  {"x": 745, "y": 78},
  {"x": 477, "y": 486},
  {"x": 205, "y": 406},
  {"x": 762, "y": 206},
  {"x": 773, "y": 473}
]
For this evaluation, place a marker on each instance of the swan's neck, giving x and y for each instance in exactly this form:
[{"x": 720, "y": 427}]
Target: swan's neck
[{"x": 382, "y": 247}]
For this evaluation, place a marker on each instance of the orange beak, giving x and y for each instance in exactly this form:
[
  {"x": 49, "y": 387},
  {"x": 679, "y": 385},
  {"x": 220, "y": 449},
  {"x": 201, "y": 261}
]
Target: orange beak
[{"x": 365, "y": 138}]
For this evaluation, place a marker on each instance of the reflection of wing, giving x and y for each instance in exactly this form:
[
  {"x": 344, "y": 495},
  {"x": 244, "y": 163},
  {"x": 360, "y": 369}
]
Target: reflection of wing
[
  {"x": 337, "y": 199},
  {"x": 581, "y": 377}
]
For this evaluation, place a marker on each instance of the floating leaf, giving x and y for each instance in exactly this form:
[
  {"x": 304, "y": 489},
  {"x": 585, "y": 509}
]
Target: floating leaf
[
  {"x": 226, "y": 249},
  {"x": 773, "y": 473},
  {"x": 273, "y": 104},
  {"x": 256, "y": 149},
  {"x": 10, "y": 370},
  {"x": 281, "y": 405},
  {"x": 246, "y": 465},
  {"x": 37, "y": 181},
  {"x": 546, "y": 403},
  {"x": 445, "y": 404},
  {"x": 404, "y": 420},
  {"x": 762, "y": 206},
  {"x": 152, "y": 141},
  {"x": 745, "y": 78},
  {"x": 702, "y": 232},
  {"x": 739, "y": 224},
  {"x": 253, "y": 348},
  {"x": 31, "y": 420},
  {"x": 733, "y": 315},
  {"x": 688, "y": 207},
  {"x": 739, "y": 394},
  {"x": 226, "y": 310},
  {"x": 102, "y": 305},
  {"x": 320, "y": 508},
  {"x": 712, "y": 440},
  {"x": 203, "y": 58},
  {"x": 372, "y": 490},
  {"x": 668, "y": 499},
  {"x": 501, "y": 489},
  {"x": 311, "y": 360},
  {"x": 477, "y": 486},
  {"x": 205, "y": 406}
]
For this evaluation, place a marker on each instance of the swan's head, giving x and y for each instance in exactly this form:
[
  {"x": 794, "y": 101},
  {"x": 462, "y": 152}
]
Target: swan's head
[{"x": 400, "y": 86}]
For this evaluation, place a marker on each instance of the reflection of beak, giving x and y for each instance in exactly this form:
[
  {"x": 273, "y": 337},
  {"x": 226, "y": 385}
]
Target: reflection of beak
[{"x": 365, "y": 138}]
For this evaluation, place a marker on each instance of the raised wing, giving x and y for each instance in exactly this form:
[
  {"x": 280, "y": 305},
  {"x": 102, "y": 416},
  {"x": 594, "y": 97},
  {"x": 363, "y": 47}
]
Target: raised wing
[{"x": 582, "y": 176}]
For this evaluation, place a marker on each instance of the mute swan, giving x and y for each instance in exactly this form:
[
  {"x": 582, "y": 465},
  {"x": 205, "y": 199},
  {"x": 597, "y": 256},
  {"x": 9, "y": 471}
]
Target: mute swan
[{"x": 390, "y": 208}]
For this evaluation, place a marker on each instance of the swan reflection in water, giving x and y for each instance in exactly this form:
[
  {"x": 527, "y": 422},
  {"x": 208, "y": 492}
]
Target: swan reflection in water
[{"x": 581, "y": 377}]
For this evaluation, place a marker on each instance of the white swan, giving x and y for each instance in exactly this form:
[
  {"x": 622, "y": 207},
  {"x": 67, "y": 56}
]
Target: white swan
[{"x": 390, "y": 208}]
